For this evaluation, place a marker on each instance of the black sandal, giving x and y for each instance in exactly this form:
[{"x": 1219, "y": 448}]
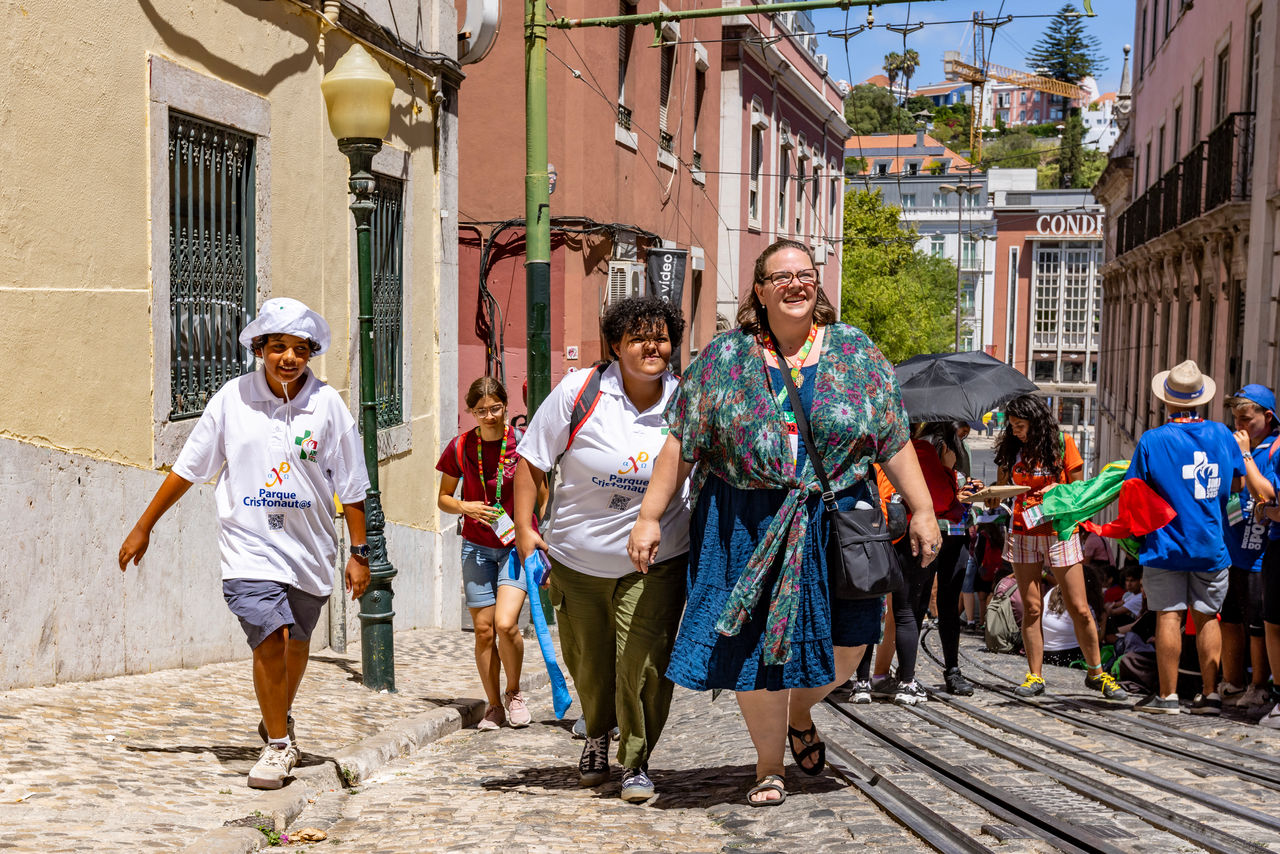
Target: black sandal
[
  {"x": 769, "y": 783},
  {"x": 814, "y": 744}
]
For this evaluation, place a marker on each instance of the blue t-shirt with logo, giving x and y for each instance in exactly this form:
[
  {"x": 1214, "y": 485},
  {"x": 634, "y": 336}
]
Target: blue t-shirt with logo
[
  {"x": 1247, "y": 539},
  {"x": 1190, "y": 464}
]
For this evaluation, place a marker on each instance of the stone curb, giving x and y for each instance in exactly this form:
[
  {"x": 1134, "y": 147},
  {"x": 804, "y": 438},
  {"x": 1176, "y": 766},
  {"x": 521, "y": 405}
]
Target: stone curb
[{"x": 350, "y": 766}]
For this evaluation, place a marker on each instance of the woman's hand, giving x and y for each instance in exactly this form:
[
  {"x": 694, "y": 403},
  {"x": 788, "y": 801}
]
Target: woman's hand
[
  {"x": 926, "y": 537},
  {"x": 969, "y": 489},
  {"x": 478, "y": 510},
  {"x": 642, "y": 545}
]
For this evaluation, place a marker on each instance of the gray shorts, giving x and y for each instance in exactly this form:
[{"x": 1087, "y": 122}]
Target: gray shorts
[
  {"x": 1178, "y": 590},
  {"x": 264, "y": 606}
]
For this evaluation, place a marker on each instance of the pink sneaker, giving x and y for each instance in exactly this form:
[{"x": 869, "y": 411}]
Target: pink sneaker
[
  {"x": 517, "y": 711},
  {"x": 493, "y": 718}
]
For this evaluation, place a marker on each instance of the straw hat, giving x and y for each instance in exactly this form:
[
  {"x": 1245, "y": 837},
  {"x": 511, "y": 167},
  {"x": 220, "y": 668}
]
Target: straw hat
[{"x": 1183, "y": 387}]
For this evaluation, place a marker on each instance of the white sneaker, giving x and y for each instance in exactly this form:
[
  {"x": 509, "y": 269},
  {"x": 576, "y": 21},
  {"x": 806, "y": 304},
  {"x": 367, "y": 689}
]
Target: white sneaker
[
  {"x": 1254, "y": 697},
  {"x": 1230, "y": 693},
  {"x": 1271, "y": 720},
  {"x": 272, "y": 767}
]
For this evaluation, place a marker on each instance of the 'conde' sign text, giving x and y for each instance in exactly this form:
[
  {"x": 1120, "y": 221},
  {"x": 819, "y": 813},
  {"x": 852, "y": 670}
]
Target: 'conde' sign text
[{"x": 1060, "y": 224}]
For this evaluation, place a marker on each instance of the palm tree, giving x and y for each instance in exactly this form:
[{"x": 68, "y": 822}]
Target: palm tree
[
  {"x": 892, "y": 67},
  {"x": 908, "y": 63}
]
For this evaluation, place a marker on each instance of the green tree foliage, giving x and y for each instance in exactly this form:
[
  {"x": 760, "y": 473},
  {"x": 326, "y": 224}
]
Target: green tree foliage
[
  {"x": 951, "y": 125},
  {"x": 1071, "y": 153},
  {"x": 1017, "y": 150},
  {"x": 902, "y": 298},
  {"x": 873, "y": 109},
  {"x": 1066, "y": 50}
]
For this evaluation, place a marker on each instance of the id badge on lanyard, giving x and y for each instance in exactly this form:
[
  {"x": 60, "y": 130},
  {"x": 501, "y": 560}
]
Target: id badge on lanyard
[
  {"x": 1235, "y": 510},
  {"x": 504, "y": 528},
  {"x": 793, "y": 435}
]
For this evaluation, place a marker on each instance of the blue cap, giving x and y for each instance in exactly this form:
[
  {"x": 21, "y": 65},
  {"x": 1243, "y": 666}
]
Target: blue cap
[{"x": 1256, "y": 393}]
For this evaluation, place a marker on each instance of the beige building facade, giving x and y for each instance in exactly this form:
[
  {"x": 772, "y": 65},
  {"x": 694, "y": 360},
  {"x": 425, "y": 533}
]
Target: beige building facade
[{"x": 169, "y": 168}]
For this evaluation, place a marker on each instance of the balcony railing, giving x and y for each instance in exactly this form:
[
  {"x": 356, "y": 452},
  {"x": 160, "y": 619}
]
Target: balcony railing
[
  {"x": 1229, "y": 175},
  {"x": 624, "y": 117},
  {"x": 1214, "y": 172},
  {"x": 666, "y": 141}
]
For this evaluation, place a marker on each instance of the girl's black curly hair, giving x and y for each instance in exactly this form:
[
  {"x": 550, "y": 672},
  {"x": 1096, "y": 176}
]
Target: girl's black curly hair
[
  {"x": 638, "y": 315},
  {"x": 1043, "y": 448}
]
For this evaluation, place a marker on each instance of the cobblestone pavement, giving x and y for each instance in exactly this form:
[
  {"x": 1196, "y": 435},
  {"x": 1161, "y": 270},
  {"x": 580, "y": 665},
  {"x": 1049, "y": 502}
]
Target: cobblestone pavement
[
  {"x": 154, "y": 762},
  {"x": 145, "y": 763},
  {"x": 517, "y": 791}
]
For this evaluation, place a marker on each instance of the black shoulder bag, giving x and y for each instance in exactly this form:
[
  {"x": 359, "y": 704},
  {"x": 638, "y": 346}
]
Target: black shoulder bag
[{"x": 861, "y": 559}]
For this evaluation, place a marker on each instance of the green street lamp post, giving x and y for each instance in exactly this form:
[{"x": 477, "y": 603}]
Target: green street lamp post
[{"x": 357, "y": 93}]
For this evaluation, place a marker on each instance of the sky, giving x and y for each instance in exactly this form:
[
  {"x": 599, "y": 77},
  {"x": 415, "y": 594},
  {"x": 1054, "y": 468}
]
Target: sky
[{"x": 1113, "y": 25}]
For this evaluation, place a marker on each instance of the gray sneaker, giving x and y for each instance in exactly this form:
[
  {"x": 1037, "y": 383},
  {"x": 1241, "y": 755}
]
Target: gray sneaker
[
  {"x": 636, "y": 786},
  {"x": 1157, "y": 705},
  {"x": 273, "y": 765},
  {"x": 593, "y": 767}
]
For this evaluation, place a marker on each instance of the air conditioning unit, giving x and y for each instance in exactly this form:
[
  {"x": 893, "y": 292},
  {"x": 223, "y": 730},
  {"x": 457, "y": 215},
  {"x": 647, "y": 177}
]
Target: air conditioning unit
[
  {"x": 626, "y": 279},
  {"x": 822, "y": 62},
  {"x": 820, "y": 253}
]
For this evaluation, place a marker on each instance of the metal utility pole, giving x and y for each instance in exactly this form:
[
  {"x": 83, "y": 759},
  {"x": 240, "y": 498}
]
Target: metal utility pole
[{"x": 960, "y": 190}]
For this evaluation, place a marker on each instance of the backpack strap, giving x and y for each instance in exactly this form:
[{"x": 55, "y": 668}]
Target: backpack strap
[
  {"x": 585, "y": 403},
  {"x": 460, "y": 447}
]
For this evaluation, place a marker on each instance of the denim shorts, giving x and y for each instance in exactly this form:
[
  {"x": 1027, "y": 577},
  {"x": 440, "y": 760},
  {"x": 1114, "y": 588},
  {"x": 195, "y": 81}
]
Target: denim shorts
[
  {"x": 264, "y": 606},
  {"x": 484, "y": 570}
]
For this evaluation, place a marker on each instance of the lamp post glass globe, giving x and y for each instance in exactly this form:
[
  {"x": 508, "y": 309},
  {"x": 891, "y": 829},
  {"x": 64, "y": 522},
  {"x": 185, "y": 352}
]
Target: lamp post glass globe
[{"x": 357, "y": 94}]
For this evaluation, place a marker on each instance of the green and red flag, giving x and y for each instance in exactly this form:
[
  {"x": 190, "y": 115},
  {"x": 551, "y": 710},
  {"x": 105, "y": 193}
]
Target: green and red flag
[{"x": 1140, "y": 509}]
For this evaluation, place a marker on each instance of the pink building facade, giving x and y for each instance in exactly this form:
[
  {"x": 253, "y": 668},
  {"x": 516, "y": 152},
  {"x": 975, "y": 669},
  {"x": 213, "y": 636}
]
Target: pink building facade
[
  {"x": 781, "y": 154},
  {"x": 1190, "y": 194}
]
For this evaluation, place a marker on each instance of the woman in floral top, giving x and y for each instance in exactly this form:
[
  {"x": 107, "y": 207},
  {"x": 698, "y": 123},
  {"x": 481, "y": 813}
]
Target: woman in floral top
[{"x": 760, "y": 620}]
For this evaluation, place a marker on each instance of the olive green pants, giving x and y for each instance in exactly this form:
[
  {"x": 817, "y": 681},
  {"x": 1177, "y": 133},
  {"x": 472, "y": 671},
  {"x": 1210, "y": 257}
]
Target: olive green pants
[{"x": 617, "y": 635}]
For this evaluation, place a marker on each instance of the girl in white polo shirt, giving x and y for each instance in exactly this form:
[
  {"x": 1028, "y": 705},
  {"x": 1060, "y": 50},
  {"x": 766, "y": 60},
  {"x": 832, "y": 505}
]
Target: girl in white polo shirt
[
  {"x": 617, "y": 625},
  {"x": 281, "y": 444}
]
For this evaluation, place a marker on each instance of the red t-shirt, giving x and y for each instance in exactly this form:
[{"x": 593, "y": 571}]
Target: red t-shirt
[
  {"x": 940, "y": 480},
  {"x": 475, "y": 489},
  {"x": 1038, "y": 477}
]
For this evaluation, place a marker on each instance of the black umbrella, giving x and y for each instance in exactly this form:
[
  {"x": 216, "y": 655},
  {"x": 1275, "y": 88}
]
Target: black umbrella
[{"x": 958, "y": 386}]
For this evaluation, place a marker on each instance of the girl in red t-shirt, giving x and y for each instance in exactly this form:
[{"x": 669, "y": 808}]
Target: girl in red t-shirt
[
  {"x": 1034, "y": 452},
  {"x": 484, "y": 459}
]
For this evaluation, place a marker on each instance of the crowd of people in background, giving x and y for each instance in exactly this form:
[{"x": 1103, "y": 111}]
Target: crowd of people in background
[{"x": 685, "y": 526}]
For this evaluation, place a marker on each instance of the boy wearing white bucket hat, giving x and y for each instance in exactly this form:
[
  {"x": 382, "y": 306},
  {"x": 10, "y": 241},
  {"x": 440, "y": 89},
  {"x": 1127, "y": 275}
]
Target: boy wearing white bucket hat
[
  {"x": 281, "y": 444},
  {"x": 1194, "y": 465}
]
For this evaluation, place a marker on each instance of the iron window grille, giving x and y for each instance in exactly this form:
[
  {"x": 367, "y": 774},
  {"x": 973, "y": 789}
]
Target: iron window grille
[
  {"x": 666, "y": 141},
  {"x": 387, "y": 238},
  {"x": 624, "y": 117},
  {"x": 212, "y": 280}
]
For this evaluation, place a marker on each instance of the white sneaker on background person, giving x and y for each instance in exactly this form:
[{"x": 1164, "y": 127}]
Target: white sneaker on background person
[{"x": 272, "y": 767}]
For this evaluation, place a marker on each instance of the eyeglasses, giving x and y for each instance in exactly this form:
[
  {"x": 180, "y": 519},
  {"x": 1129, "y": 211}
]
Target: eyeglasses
[
  {"x": 488, "y": 411},
  {"x": 782, "y": 278}
]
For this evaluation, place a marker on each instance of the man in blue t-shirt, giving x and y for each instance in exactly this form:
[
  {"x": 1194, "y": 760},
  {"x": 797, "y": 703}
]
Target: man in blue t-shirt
[
  {"x": 1256, "y": 433},
  {"x": 1194, "y": 465}
]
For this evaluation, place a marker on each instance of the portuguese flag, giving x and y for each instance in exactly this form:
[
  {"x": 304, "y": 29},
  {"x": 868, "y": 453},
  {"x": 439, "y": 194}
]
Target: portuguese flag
[{"x": 1141, "y": 510}]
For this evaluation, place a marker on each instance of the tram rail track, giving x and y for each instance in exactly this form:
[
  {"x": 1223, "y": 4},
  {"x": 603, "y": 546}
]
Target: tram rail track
[
  {"x": 1261, "y": 776},
  {"x": 1118, "y": 788}
]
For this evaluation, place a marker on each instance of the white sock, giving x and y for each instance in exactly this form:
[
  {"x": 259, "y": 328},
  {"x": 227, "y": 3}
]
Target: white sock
[{"x": 281, "y": 743}]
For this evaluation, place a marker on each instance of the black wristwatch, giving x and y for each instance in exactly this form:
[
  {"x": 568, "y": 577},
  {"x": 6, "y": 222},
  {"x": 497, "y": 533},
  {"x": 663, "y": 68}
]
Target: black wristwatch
[{"x": 361, "y": 551}]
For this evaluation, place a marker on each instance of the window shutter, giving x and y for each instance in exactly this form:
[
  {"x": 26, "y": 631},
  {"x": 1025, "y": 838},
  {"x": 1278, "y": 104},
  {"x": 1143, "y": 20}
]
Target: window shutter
[{"x": 668, "y": 59}]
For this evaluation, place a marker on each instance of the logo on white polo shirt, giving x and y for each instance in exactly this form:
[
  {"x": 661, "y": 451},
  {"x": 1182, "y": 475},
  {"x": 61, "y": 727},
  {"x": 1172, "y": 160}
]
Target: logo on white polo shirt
[
  {"x": 635, "y": 464},
  {"x": 308, "y": 446},
  {"x": 279, "y": 474},
  {"x": 1203, "y": 475}
]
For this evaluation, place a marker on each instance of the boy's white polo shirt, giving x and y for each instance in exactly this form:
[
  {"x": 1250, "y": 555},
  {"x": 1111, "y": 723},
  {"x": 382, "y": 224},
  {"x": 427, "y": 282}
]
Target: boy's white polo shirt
[
  {"x": 283, "y": 465},
  {"x": 604, "y": 475}
]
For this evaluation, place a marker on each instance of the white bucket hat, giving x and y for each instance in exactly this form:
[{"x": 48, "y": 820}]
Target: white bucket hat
[
  {"x": 285, "y": 316},
  {"x": 1184, "y": 386}
]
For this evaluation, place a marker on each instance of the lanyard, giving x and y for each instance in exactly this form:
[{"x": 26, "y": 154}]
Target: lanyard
[
  {"x": 502, "y": 458},
  {"x": 796, "y": 376}
]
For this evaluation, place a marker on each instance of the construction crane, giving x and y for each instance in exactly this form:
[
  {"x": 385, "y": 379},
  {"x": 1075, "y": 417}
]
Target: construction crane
[{"x": 979, "y": 71}]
